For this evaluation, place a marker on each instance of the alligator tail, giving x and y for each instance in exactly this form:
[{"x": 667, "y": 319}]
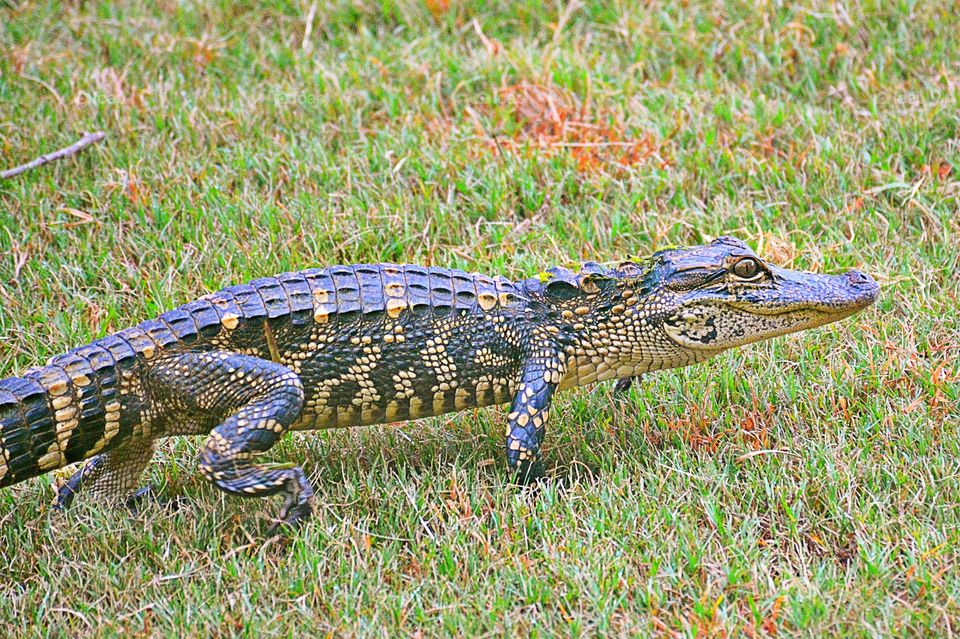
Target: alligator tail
[
  {"x": 61, "y": 413},
  {"x": 92, "y": 399},
  {"x": 28, "y": 432}
]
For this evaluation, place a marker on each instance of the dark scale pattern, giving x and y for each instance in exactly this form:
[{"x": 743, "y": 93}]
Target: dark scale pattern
[{"x": 371, "y": 343}]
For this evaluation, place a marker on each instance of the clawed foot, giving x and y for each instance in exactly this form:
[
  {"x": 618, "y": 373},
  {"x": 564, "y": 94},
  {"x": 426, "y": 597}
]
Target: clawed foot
[
  {"x": 529, "y": 473},
  {"x": 291, "y": 519},
  {"x": 623, "y": 385},
  {"x": 65, "y": 497},
  {"x": 136, "y": 502},
  {"x": 297, "y": 509},
  {"x": 68, "y": 492}
]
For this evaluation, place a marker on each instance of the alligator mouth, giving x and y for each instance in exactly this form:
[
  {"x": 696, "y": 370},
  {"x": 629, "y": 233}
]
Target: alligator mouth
[{"x": 839, "y": 311}]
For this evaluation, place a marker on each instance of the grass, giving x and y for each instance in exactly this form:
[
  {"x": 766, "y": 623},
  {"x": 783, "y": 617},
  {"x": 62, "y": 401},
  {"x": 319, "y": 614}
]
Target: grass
[{"x": 806, "y": 486}]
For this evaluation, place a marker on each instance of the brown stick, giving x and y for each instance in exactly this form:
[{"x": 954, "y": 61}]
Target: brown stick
[{"x": 73, "y": 149}]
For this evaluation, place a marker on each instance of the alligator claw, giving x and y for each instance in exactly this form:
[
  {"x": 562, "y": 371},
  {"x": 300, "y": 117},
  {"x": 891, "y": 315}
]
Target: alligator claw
[
  {"x": 291, "y": 519},
  {"x": 65, "y": 496},
  {"x": 623, "y": 385},
  {"x": 529, "y": 472},
  {"x": 296, "y": 510},
  {"x": 68, "y": 492},
  {"x": 148, "y": 494}
]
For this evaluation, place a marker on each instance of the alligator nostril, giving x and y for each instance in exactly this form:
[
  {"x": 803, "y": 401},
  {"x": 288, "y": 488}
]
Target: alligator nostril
[{"x": 856, "y": 278}]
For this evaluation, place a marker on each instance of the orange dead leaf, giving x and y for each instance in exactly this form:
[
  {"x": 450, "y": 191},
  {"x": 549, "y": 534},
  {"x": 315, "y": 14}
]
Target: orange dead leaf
[
  {"x": 437, "y": 7},
  {"x": 134, "y": 190},
  {"x": 205, "y": 50},
  {"x": 552, "y": 120},
  {"x": 769, "y": 624},
  {"x": 19, "y": 57},
  {"x": 856, "y": 205},
  {"x": 941, "y": 170}
]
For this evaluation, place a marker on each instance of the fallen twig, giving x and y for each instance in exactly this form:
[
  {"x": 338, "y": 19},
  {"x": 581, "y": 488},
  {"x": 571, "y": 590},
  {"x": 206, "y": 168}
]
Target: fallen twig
[
  {"x": 73, "y": 149},
  {"x": 305, "y": 44}
]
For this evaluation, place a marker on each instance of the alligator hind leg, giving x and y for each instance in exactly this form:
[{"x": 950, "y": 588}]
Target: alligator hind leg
[
  {"x": 112, "y": 476},
  {"x": 251, "y": 402},
  {"x": 226, "y": 460}
]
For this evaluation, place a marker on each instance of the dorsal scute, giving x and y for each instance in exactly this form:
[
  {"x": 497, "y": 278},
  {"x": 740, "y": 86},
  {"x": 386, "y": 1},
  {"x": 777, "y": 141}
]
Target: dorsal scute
[{"x": 397, "y": 289}]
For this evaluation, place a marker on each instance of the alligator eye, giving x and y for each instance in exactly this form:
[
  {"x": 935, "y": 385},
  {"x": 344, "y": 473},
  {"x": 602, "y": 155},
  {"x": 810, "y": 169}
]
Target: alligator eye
[{"x": 747, "y": 268}]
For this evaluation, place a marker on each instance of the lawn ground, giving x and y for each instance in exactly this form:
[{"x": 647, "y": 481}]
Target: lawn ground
[{"x": 805, "y": 486}]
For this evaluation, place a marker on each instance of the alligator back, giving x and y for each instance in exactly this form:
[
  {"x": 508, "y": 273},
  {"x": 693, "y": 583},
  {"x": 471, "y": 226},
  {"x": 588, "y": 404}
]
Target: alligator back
[
  {"x": 378, "y": 342},
  {"x": 318, "y": 322}
]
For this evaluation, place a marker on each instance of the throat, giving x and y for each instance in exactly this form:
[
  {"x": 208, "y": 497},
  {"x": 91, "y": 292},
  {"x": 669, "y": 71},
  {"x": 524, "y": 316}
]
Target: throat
[{"x": 597, "y": 364}]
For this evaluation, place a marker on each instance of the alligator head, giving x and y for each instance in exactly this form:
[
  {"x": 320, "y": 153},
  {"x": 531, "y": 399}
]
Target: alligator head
[
  {"x": 686, "y": 305},
  {"x": 722, "y": 295}
]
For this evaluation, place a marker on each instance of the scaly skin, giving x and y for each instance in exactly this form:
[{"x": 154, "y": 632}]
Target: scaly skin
[{"x": 367, "y": 344}]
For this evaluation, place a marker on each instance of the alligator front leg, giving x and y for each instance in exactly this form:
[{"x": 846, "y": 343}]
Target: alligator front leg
[
  {"x": 624, "y": 384},
  {"x": 528, "y": 415},
  {"x": 252, "y": 403}
]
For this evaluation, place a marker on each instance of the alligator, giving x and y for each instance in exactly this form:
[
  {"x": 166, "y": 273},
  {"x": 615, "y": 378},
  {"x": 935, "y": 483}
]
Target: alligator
[{"x": 368, "y": 344}]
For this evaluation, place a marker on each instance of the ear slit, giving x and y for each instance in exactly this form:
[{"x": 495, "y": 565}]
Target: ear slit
[{"x": 561, "y": 290}]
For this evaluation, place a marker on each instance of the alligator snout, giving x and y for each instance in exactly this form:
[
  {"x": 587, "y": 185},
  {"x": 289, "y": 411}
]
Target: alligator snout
[{"x": 863, "y": 287}]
